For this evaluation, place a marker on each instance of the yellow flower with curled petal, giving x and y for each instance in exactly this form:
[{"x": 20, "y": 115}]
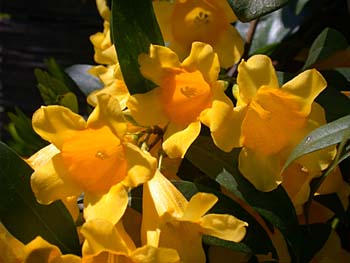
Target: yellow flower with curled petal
[
  {"x": 91, "y": 157},
  {"x": 185, "y": 21},
  {"x": 106, "y": 242},
  {"x": 187, "y": 95},
  {"x": 182, "y": 223},
  {"x": 275, "y": 120},
  {"x": 38, "y": 250}
]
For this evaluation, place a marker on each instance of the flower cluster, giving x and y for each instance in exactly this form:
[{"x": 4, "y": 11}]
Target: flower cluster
[{"x": 128, "y": 139}]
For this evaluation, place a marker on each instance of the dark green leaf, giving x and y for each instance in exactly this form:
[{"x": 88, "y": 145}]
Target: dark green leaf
[
  {"x": 274, "y": 206},
  {"x": 134, "y": 27},
  {"x": 329, "y": 41},
  {"x": 256, "y": 240},
  {"x": 23, "y": 216},
  {"x": 85, "y": 81},
  {"x": 326, "y": 135},
  {"x": 248, "y": 10},
  {"x": 332, "y": 202},
  {"x": 300, "y": 5}
]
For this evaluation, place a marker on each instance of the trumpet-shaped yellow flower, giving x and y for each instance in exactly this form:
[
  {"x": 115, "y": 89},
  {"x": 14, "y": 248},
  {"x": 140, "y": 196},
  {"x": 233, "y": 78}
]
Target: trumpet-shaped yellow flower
[
  {"x": 38, "y": 250},
  {"x": 108, "y": 243},
  {"x": 113, "y": 82},
  {"x": 91, "y": 157},
  {"x": 182, "y": 223},
  {"x": 185, "y": 21},
  {"x": 187, "y": 95},
  {"x": 276, "y": 119}
]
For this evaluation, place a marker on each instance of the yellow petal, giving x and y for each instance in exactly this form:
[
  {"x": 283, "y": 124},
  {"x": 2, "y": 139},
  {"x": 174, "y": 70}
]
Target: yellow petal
[
  {"x": 203, "y": 58},
  {"x": 148, "y": 254},
  {"x": 141, "y": 166},
  {"x": 50, "y": 182},
  {"x": 147, "y": 108},
  {"x": 199, "y": 204},
  {"x": 71, "y": 203},
  {"x": 110, "y": 206},
  {"x": 226, "y": 227},
  {"x": 177, "y": 139},
  {"x": 39, "y": 250},
  {"x": 157, "y": 64},
  {"x": 163, "y": 11},
  {"x": 262, "y": 171},
  {"x": 223, "y": 120},
  {"x": 101, "y": 235},
  {"x": 307, "y": 85},
  {"x": 56, "y": 123},
  {"x": 256, "y": 72},
  {"x": 43, "y": 156},
  {"x": 103, "y": 9},
  {"x": 229, "y": 47},
  {"x": 11, "y": 249},
  {"x": 108, "y": 113}
]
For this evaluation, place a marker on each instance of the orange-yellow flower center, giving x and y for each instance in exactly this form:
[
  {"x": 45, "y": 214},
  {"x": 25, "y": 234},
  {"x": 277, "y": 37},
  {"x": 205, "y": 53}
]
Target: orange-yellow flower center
[
  {"x": 198, "y": 20},
  {"x": 273, "y": 119},
  {"x": 94, "y": 159},
  {"x": 185, "y": 96}
]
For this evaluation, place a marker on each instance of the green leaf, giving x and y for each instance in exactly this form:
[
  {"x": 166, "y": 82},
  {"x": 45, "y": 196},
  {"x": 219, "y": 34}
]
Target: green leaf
[
  {"x": 256, "y": 240},
  {"x": 274, "y": 206},
  {"x": 300, "y": 5},
  {"x": 248, "y": 10},
  {"x": 70, "y": 101},
  {"x": 324, "y": 136},
  {"x": 134, "y": 27},
  {"x": 23, "y": 216},
  {"x": 86, "y": 82},
  {"x": 329, "y": 41}
]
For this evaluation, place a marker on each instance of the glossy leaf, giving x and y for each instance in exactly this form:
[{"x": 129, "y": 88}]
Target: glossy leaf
[
  {"x": 134, "y": 27},
  {"x": 274, "y": 206},
  {"x": 23, "y": 216},
  {"x": 326, "y": 135},
  {"x": 329, "y": 41},
  {"x": 248, "y": 10},
  {"x": 86, "y": 82}
]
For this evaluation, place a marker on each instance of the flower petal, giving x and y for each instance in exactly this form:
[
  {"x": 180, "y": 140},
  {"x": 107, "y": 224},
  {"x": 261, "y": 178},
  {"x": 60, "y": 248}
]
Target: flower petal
[
  {"x": 110, "y": 206},
  {"x": 50, "y": 182},
  {"x": 11, "y": 249},
  {"x": 256, "y": 72},
  {"x": 226, "y": 227},
  {"x": 108, "y": 113},
  {"x": 163, "y": 11},
  {"x": 157, "y": 64},
  {"x": 229, "y": 47},
  {"x": 177, "y": 139},
  {"x": 141, "y": 166},
  {"x": 100, "y": 236},
  {"x": 103, "y": 9},
  {"x": 203, "y": 58},
  {"x": 147, "y": 108},
  {"x": 56, "y": 123},
  {"x": 307, "y": 85},
  {"x": 223, "y": 120},
  {"x": 148, "y": 254},
  {"x": 262, "y": 171},
  {"x": 199, "y": 204}
]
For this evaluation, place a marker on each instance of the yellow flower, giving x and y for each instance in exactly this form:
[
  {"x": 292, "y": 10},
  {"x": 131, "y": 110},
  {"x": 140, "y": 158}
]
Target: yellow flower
[
  {"x": 105, "y": 242},
  {"x": 188, "y": 93},
  {"x": 185, "y": 21},
  {"x": 104, "y": 49},
  {"x": 182, "y": 223},
  {"x": 275, "y": 120},
  {"x": 38, "y": 250},
  {"x": 114, "y": 84},
  {"x": 91, "y": 157},
  {"x": 103, "y": 9}
]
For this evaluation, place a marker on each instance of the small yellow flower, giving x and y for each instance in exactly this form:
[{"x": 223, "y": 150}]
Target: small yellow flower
[
  {"x": 113, "y": 82},
  {"x": 187, "y": 95},
  {"x": 105, "y": 242},
  {"x": 275, "y": 120},
  {"x": 91, "y": 157},
  {"x": 185, "y": 21},
  {"x": 38, "y": 250},
  {"x": 182, "y": 223}
]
